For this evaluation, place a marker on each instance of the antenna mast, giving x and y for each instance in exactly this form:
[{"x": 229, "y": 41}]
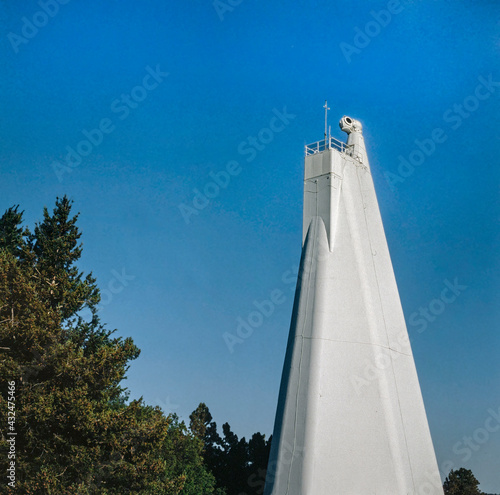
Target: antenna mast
[{"x": 326, "y": 107}]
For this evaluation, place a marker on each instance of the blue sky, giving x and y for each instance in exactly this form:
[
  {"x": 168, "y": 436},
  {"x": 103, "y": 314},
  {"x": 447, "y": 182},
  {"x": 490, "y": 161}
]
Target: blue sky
[{"x": 177, "y": 283}]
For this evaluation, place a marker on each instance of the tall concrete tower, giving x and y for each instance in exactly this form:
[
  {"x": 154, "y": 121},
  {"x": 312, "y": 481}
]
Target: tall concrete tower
[{"x": 350, "y": 417}]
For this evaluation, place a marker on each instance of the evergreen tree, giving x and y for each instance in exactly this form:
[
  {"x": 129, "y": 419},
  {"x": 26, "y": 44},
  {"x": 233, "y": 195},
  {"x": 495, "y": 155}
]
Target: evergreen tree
[
  {"x": 11, "y": 232},
  {"x": 235, "y": 473},
  {"x": 461, "y": 482},
  {"x": 239, "y": 466},
  {"x": 205, "y": 429},
  {"x": 183, "y": 451},
  {"x": 76, "y": 431},
  {"x": 200, "y": 420},
  {"x": 258, "y": 456}
]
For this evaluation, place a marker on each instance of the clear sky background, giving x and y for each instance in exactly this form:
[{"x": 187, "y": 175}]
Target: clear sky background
[{"x": 184, "y": 280}]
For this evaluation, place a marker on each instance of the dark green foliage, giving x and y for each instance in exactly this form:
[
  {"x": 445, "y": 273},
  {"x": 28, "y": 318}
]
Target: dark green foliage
[
  {"x": 461, "y": 482},
  {"x": 183, "y": 450},
  {"x": 238, "y": 466},
  {"x": 258, "y": 455},
  {"x": 11, "y": 232},
  {"x": 53, "y": 252},
  {"x": 76, "y": 433}
]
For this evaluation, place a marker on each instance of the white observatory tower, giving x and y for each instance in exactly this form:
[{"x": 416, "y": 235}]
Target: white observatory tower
[{"x": 350, "y": 417}]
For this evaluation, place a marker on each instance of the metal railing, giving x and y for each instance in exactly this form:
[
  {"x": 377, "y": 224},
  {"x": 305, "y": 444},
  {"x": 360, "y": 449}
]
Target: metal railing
[
  {"x": 332, "y": 143},
  {"x": 326, "y": 144}
]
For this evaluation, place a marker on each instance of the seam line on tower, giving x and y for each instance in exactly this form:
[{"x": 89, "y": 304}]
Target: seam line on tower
[
  {"x": 385, "y": 328},
  {"x": 355, "y": 342},
  {"x": 300, "y": 360}
]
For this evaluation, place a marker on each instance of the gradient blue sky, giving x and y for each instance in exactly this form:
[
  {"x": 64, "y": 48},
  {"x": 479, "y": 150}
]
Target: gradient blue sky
[{"x": 192, "y": 281}]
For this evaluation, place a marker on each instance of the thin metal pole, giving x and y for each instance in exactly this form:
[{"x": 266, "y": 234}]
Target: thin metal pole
[{"x": 325, "y": 106}]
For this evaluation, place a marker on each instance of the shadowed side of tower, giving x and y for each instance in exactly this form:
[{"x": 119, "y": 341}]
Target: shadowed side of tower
[{"x": 339, "y": 430}]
